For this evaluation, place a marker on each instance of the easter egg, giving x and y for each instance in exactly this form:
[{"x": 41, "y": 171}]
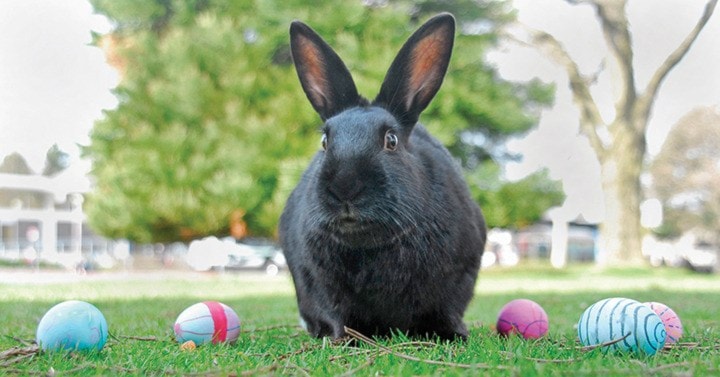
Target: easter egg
[
  {"x": 673, "y": 326},
  {"x": 72, "y": 325},
  {"x": 207, "y": 322},
  {"x": 524, "y": 317},
  {"x": 613, "y": 318}
]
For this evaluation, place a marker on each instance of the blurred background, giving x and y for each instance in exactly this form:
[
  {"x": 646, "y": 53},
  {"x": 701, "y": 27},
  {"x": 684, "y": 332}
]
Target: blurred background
[{"x": 169, "y": 133}]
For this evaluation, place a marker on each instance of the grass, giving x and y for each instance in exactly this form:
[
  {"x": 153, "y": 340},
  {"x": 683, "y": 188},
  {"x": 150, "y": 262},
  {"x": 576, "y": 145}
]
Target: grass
[{"x": 141, "y": 310}]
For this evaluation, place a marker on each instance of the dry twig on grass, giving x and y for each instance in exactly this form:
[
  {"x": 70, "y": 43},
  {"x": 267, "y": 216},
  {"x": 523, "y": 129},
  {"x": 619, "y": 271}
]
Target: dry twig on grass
[
  {"x": 606, "y": 344},
  {"x": 16, "y": 354},
  {"x": 359, "y": 336}
]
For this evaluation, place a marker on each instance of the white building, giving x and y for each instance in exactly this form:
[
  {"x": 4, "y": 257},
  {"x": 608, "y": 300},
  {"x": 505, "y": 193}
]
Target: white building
[{"x": 58, "y": 227}]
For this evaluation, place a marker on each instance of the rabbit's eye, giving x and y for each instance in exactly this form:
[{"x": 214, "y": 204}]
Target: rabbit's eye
[
  {"x": 391, "y": 141},
  {"x": 323, "y": 142}
]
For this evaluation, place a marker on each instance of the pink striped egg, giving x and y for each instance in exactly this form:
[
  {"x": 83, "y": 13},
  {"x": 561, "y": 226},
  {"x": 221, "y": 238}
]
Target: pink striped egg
[
  {"x": 207, "y": 322},
  {"x": 673, "y": 326}
]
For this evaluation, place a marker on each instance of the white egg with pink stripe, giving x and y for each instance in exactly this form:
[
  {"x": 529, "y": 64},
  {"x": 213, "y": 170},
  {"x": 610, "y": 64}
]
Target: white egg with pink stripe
[{"x": 207, "y": 322}]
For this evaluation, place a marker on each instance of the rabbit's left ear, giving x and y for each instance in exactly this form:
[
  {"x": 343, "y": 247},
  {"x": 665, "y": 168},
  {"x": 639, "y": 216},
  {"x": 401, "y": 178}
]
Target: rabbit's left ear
[
  {"x": 324, "y": 77},
  {"x": 418, "y": 70}
]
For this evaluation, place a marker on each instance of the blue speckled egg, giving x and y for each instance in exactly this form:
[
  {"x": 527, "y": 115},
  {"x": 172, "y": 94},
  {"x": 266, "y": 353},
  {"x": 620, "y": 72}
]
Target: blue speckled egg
[{"x": 72, "y": 325}]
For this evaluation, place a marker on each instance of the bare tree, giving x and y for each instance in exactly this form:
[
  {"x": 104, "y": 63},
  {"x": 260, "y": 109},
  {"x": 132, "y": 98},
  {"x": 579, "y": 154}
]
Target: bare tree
[{"x": 622, "y": 147}]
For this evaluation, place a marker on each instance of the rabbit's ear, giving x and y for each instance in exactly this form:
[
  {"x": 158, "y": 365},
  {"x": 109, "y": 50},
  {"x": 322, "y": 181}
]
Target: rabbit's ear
[
  {"x": 418, "y": 70},
  {"x": 324, "y": 78}
]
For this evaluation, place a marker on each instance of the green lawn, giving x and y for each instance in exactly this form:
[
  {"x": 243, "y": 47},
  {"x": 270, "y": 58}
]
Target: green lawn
[{"x": 140, "y": 311}]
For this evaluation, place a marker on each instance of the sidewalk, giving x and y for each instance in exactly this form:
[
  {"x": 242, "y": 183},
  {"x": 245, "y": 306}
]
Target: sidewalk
[{"x": 47, "y": 276}]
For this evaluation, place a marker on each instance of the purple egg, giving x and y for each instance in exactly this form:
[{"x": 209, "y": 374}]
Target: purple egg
[{"x": 524, "y": 317}]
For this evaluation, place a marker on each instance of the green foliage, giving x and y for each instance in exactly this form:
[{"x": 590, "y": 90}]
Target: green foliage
[
  {"x": 15, "y": 163},
  {"x": 513, "y": 204},
  {"x": 55, "y": 161},
  {"x": 212, "y": 118}
]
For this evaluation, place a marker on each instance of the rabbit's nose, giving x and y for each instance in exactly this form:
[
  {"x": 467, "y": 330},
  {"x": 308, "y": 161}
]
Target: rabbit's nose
[{"x": 345, "y": 186}]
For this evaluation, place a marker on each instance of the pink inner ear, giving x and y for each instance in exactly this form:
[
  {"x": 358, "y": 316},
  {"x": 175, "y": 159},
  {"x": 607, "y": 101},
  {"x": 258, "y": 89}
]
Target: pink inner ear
[
  {"x": 313, "y": 70},
  {"x": 424, "y": 68}
]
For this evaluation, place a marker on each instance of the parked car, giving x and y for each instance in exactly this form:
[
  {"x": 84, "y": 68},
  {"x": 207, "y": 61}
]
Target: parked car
[
  {"x": 661, "y": 252},
  {"x": 230, "y": 254},
  {"x": 702, "y": 257},
  {"x": 500, "y": 249},
  {"x": 207, "y": 253},
  {"x": 256, "y": 253}
]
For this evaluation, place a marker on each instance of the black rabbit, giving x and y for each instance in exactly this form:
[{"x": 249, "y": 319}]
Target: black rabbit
[{"x": 380, "y": 234}]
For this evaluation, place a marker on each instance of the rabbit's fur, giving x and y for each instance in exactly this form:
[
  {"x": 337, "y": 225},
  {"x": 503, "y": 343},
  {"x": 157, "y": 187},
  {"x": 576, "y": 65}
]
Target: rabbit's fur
[{"x": 381, "y": 234}]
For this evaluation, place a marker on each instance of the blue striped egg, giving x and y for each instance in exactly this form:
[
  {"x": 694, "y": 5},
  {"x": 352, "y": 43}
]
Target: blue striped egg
[{"x": 613, "y": 318}]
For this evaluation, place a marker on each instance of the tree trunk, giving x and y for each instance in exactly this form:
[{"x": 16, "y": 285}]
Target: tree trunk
[
  {"x": 621, "y": 157},
  {"x": 621, "y": 233}
]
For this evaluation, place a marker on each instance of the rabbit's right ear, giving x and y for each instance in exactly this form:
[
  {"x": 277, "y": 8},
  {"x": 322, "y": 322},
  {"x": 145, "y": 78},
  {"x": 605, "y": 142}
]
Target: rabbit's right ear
[
  {"x": 418, "y": 70},
  {"x": 324, "y": 77}
]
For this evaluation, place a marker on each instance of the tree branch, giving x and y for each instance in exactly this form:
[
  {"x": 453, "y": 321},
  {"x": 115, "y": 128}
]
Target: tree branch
[
  {"x": 613, "y": 20},
  {"x": 648, "y": 97},
  {"x": 590, "y": 118}
]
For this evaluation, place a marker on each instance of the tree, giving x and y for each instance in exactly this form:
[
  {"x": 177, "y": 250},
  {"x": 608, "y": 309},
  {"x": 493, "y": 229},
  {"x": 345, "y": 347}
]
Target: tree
[
  {"x": 513, "y": 204},
  {"x": 212, "y": 124},
  {"x": 686, "y": 175},
  {"x": 620, "y": 144},
  {"x": 15, "y": 163},
  {"x": 55, "y": 161}
]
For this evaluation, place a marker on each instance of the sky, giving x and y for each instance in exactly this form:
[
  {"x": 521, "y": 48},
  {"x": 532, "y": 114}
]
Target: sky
[{"x": 54, "y": 85}]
